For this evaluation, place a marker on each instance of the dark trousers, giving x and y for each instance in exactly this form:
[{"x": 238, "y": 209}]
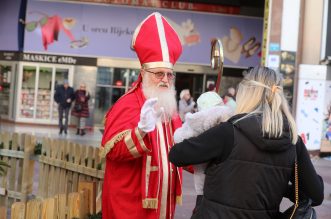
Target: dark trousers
[{"x": 64, "y": 110}]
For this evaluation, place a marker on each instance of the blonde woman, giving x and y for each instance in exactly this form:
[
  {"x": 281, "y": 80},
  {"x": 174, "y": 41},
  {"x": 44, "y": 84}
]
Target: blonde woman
[{"x": 251, "y": 157}]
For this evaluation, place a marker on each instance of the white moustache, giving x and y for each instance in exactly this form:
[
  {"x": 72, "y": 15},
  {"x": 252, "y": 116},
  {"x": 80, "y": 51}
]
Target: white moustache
[{"x": 163, "y": 85}]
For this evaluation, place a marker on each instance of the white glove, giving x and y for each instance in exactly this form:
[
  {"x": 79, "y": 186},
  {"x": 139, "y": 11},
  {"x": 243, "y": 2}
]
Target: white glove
[{"x": 148, "y": 116}]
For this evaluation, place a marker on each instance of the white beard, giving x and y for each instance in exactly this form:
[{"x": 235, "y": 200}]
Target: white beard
[{"x": 166, "y": 97}]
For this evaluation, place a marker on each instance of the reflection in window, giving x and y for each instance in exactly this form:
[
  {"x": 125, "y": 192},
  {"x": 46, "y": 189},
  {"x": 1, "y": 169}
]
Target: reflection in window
[{"x": 104, "y": 75}]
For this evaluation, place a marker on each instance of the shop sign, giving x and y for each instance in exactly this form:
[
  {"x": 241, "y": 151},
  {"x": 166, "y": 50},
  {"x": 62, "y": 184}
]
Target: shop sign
[
  {"x": 273, "y": 61},
  {"x": 180, "y": 5},
  {"x": 66, "y": 60},
  {"x": 9, "y": 56},
  {"x": 274, "y": 47}
]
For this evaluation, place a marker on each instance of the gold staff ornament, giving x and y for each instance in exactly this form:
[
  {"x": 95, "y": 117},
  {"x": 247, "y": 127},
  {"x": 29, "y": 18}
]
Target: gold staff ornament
[{"x": 217, "y": 60}]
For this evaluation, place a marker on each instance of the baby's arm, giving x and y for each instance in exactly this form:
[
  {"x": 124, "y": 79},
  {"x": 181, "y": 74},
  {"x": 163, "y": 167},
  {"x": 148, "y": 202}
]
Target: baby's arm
[
  {"x": 185, "y": 131},
  {"x": 208, "y": 118},
  {"x": 201, "y": 121}
]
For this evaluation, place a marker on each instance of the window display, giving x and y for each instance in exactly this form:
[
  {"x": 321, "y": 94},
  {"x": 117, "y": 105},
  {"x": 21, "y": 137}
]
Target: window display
[
  {"x": 37, "y": 91},
  {"x": 5, "y": 79},
  {"x": 28, "y": 92}
]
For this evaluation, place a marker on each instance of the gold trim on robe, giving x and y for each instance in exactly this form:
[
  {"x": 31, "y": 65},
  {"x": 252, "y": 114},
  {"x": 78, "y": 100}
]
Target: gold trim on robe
[
  {"x": 131, "y": 146},
  {"x": 150, "y": 203},
  {"x": 179, "y": 199},
  {"x": 148, "y": 171},
  {"x": 110, "y": 144},
  {"x": 165, "y": 171},
  {"x": 141, "y": 141}
]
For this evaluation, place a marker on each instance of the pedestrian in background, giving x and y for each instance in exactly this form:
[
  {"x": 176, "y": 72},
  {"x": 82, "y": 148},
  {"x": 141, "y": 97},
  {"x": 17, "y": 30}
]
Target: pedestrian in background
[
  {"x": 81, "y": 109},
  {"x": 251, "y": 157},
  {"x": 186, "y": 103},
  {"x": 64, "y": 95}
]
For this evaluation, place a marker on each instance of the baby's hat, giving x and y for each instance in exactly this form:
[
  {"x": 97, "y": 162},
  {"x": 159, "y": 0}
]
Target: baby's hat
[{"x": 209, "y": 99}]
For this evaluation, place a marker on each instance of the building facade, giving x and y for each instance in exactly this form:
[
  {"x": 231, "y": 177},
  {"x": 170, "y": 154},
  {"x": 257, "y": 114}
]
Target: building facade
[{"x": 90, "y": 43}]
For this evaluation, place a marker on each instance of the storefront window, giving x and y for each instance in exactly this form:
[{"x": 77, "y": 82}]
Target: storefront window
[
  {"x": 28, "y": 92},
  {"x": 104, "y": 75},
  {"x": 5, "y": 79},
  {"x": 197, "y": 86},
  {"x": 134, "y": 73},
  {"x": 112, "y": 83},
  {"x": 37, "y": 91},
  {"x": 193, "y": 82},
  {"x": 120, "y": 77}
]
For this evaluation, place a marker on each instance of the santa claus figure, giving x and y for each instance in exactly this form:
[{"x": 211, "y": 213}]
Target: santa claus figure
[{"x": 139, "y": 181}]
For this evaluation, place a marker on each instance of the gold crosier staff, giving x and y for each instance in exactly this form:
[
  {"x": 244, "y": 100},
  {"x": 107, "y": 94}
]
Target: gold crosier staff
[{"x": 217, "y": 60}]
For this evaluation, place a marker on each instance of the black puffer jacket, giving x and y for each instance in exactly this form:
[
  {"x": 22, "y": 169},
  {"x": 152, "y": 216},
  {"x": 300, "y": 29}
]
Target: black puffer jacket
[
  {"x": 61, "y": 95},
  {"x": 248, "y": 174}
]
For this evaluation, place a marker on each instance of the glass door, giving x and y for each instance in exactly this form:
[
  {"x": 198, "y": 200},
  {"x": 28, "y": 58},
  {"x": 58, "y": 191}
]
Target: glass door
[
  {"x": 112, "y": 83},
  {"x": 193, "y": 82}
]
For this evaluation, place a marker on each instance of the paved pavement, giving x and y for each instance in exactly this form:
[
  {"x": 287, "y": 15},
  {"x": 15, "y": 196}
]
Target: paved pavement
[{"x": 93, "y": 138}]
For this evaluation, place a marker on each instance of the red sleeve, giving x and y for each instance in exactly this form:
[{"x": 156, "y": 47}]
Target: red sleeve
[{"x": 121, "y": 139}]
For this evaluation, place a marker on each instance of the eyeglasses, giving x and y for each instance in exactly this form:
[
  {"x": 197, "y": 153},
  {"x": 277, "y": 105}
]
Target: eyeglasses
[{"x": 160, "y": 75}]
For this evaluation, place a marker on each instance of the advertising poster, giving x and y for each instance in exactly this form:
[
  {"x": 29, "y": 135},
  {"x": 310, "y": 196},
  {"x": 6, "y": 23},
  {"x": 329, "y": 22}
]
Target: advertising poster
[
  {"x": 310, "y": 104},
  {"x": 106, "y": 31},
  {"x": 326, "y": 131}
]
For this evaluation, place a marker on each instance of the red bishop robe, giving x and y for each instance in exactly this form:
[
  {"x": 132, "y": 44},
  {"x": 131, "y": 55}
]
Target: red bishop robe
[{"x": 139, "y": 181}]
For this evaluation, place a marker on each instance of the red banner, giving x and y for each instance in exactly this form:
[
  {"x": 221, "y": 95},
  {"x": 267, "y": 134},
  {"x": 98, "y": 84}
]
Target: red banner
[{"x": 169, "y": 5}]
